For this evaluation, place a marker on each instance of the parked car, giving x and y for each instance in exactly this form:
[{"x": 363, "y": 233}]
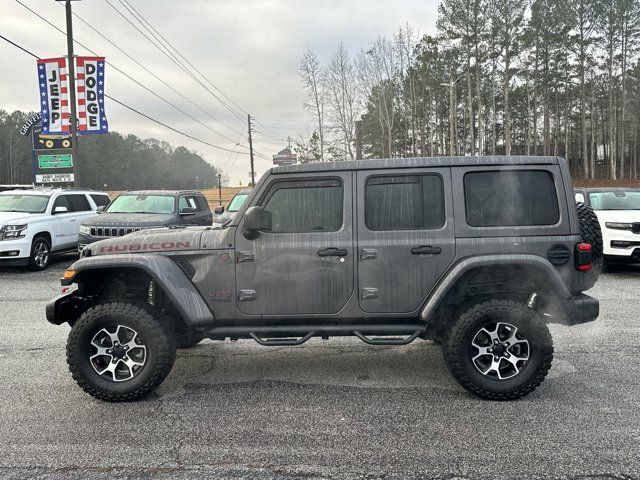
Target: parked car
[
  {"x": 39, "y": 222},
  {"x": 141, "y": 210},
  {"x": 222, "y": 216},
  {"x": 476, "y": 253},
  {"x": 618, "y": 211}
]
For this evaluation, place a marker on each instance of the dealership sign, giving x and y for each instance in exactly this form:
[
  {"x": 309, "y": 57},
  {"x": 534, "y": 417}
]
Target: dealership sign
[
  {"x": 54, "y": 178},
  {"x": 54, "y": 95},
  {"x": 55, "y": 161}
]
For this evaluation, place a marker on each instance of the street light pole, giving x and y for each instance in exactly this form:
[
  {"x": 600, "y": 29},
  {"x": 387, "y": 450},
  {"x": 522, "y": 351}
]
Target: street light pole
[{"x": 73, "y": 121}]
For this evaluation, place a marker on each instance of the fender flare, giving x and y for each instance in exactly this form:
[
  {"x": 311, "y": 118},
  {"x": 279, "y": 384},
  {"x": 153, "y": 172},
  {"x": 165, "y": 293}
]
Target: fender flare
[
  {"x": 460, "y": 268},
  {"x": 168, "y": 276}
]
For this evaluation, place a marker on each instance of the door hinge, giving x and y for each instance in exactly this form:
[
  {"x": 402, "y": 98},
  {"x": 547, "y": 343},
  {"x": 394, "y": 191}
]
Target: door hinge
[
  {"x": 369, "y": 292},
  {"x": 246, "y": 295},
  {"x": 244, "y": 257}
]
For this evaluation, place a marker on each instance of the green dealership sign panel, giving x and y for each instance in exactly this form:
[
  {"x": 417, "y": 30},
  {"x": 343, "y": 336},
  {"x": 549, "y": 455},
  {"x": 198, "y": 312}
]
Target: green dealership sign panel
[{"x": 55, "y": 161}]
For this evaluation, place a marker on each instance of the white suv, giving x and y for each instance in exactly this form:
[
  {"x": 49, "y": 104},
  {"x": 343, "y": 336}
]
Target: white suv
[{"x": 34, "y": 224}]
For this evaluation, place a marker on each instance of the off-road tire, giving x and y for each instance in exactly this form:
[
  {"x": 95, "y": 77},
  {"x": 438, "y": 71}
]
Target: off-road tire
[
  {"x": 38, "y": 241},
  {"x": 590, "y": 230},
  {"x": 457, "y": 349},
  {"x": 159, "y": 340}
]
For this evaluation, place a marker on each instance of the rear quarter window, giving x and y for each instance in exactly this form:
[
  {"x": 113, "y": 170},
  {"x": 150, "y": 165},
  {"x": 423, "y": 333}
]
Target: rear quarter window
[
  {"x": 503, "y": 198},
  {"x": 100, "y": 200}
]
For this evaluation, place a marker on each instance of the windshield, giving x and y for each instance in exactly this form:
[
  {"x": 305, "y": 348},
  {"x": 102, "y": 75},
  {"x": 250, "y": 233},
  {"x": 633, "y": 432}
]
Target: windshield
[
  {"x": 615, "y": 200},
  {"x": 23, "y": 203},
  {"x": 142, "y": 204},
  {"x": 237, "y": 202}
]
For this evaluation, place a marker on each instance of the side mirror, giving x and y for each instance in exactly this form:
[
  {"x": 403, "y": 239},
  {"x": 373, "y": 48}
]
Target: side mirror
[
  {"x": 100, "y": 209},
  {"x": 60, "y": 209},
  {"x": 219, "y": 210},
  {"x": 256, "y": 220},
  {"x": 188, "y": 211}
]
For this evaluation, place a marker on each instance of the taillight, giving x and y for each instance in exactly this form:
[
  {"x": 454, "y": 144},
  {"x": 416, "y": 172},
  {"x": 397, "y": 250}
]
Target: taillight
[{"x": 584, "y": 257}]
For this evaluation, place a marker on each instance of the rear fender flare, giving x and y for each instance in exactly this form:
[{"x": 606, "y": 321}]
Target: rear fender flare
[{"x": 459, "y": 269}]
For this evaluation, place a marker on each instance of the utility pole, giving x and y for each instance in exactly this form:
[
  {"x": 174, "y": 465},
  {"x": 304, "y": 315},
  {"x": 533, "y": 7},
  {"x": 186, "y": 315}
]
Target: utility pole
[
  {"x": 219, "y": 188},
  {"x": 73, "y": 121},
  {"x": 358, "y": 139},
  {"x": 253, "y": 172}
]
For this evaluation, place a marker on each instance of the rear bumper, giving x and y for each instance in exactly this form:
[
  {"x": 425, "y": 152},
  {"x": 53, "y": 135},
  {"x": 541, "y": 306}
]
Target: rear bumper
[{"x": 580, "y": 309}]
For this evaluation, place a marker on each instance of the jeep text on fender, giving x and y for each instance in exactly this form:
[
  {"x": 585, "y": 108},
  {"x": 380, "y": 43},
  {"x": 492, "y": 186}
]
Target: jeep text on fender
[{"x": 475, "y": 253}]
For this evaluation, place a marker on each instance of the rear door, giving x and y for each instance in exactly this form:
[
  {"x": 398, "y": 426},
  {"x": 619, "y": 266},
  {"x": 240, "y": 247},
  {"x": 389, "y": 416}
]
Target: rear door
[
  {"x": 406, "y": 236},
  {"x": 305, "y": 264}
]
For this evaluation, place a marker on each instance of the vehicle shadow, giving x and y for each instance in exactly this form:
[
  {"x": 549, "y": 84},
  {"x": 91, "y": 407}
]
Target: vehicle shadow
[{"x": 57, "y": 264}]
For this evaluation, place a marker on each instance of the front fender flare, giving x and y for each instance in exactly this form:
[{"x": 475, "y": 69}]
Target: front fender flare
[
  {"x": 167, "y": 275},
  {"x": 460, "y": 268}
]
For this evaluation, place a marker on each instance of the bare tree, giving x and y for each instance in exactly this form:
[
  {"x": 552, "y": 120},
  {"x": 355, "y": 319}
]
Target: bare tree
[{"x": 314, "y": 81}]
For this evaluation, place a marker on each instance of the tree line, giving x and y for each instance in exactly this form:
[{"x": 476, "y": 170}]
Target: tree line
[
  {"x": 120, "y": 162},
  {"x": 544, "y": 77}
]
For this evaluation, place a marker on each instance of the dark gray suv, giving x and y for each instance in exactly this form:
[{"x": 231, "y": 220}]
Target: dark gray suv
[
  {"x": 478, "y": 254},
  {"x": 133, "y": 211}
]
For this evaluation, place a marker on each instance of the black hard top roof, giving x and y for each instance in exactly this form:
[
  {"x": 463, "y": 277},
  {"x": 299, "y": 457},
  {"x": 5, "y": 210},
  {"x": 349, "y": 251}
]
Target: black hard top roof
[{"x": 413, "y": 162}]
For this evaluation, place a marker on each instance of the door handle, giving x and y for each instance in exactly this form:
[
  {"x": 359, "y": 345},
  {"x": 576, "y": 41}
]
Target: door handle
[
  {"x": 426, "y": 250},
  {"x": 332, "y": 252}
]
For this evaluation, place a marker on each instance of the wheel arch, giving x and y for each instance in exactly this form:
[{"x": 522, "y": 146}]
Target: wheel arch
[
  {"x": 128, "y": 274},
  {"x": 503, "y": 276}
]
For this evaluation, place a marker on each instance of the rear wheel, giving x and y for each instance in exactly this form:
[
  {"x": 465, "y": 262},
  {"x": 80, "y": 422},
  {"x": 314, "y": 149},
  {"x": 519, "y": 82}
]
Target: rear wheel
[
  {"x": 118, "y": 351},
  {"x": 499, "y": 350}
]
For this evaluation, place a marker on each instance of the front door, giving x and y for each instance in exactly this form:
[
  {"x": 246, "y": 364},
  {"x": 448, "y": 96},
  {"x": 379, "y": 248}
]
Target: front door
[
  {"x": 405, "y": 236},
  {"x": 305, "y": 264}
]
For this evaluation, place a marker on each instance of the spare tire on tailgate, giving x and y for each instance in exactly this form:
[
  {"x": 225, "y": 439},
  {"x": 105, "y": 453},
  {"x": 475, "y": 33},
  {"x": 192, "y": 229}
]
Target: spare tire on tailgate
[{"x": 590, "y": 230}]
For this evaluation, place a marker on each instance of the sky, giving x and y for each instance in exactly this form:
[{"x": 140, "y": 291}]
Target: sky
[{"x": 248, "y": 49}]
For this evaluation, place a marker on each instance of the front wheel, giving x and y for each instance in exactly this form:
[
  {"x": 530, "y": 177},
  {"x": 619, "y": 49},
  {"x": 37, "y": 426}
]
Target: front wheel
[
  {"x": 499, "y": 350},
  {"x": 118, "y": 351},
  {"x": 40, "y": 254}
]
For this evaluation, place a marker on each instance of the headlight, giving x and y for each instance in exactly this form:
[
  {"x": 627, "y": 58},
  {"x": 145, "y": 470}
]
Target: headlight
[
  {"x": 12, "y": 232},
  {"x": 619, "y": 226},
  {"x": 85, "y": 229}
]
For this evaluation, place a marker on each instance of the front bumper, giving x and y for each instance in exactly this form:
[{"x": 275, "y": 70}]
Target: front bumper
[
  {"x": 580, "y": 309},
  {"x": 15, "y": 252},
  {"x": 620, "y": 243}
]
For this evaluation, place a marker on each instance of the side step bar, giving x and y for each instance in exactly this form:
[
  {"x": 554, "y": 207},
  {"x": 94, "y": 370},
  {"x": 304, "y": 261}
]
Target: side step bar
[{"x": 290, "y": 335}]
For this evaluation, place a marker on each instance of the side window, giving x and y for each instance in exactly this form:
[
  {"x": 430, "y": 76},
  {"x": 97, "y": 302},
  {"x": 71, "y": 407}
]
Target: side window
[
  {"x": 193, "y": 202},
  {"x": 510, "y": 198},
  {"x": 305, "y": 206},
  {"x": 202, "y": 204},
  {"x": 61, "y": 201},
  {"x": 78, "y": 203},
  {"x": 404, "y": 202},
  {"x": 182, "y": 203},
  {"x": 100, "y": 200}
]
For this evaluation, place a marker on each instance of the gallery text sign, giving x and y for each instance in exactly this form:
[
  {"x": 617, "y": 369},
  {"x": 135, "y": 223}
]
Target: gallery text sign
[
  {"x": 54, "y": 178},
  {"x": 55, "y": 161}
]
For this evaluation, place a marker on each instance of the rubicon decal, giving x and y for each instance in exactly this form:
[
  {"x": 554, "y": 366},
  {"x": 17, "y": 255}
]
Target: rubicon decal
[{"x": 142, "y": 247}]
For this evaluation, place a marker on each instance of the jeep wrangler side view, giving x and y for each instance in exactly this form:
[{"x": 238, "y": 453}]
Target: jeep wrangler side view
[{"x": 475, "y": 253}]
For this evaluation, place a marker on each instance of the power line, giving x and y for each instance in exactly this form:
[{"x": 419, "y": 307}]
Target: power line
[
  {"x": 182, "y": 67},
  {"x": 213, "y": 117},
  {"x": 135, "y": 110},
  {"x": 186, "y": 60},
  {"x": 127, "y": 75}
]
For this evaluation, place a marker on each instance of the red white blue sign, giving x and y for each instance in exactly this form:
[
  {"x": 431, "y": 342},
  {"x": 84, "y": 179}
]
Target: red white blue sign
[{"x": 54, "y": 96}]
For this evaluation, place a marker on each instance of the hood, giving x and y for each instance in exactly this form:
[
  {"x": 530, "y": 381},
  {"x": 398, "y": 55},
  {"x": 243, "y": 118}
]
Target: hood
[
  {"x": 131, "y": 220},
  {"x": 622, "y": 216},
  {"x": 7, "y": 218},
  {"x": 150, "y": 241}
]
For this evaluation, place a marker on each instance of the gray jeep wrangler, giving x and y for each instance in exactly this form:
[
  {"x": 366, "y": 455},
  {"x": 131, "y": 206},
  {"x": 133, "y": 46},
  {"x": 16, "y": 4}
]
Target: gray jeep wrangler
[{"x": 477, "y": 254}]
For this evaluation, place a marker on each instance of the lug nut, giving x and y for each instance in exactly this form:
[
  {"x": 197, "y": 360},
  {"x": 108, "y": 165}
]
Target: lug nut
[
  {"x": 496, "y": 357},
  {"x": 490, "y": 350},
  {"x": 495, "y": 341}
]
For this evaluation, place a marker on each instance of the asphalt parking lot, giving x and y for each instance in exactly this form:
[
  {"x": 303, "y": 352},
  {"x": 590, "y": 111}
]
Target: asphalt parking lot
[{"x": 333, "y": 409}]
